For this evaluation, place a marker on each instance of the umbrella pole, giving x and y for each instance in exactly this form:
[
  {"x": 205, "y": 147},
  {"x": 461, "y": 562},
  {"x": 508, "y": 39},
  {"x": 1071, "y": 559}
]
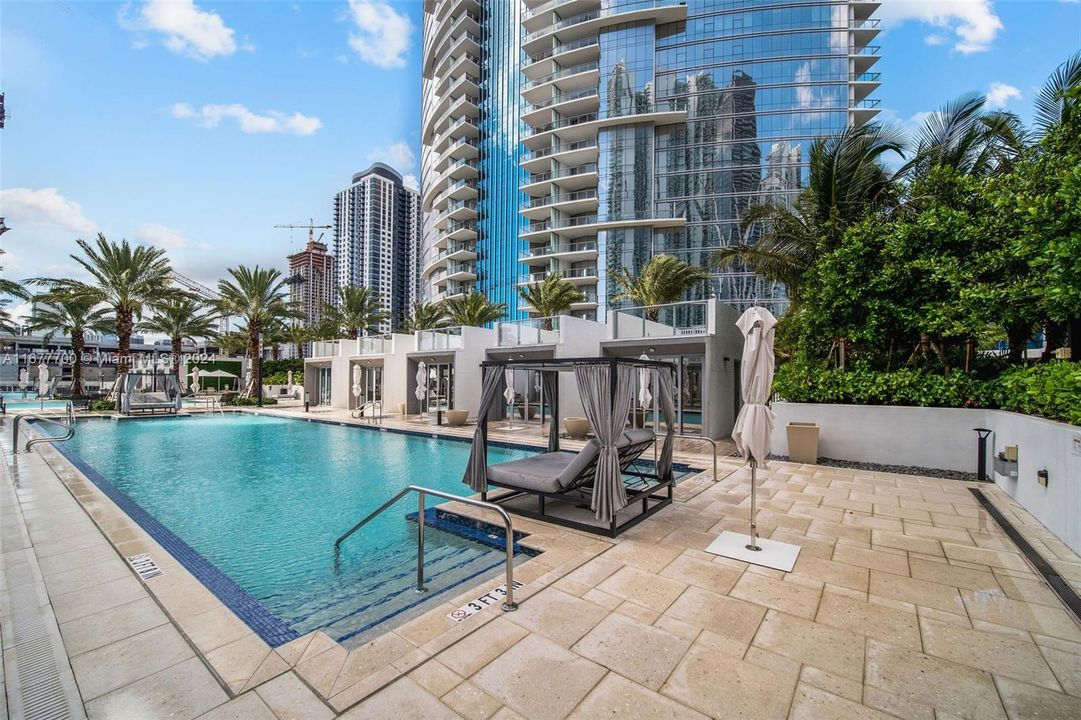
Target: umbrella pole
[{"x": 754, "y": 527}]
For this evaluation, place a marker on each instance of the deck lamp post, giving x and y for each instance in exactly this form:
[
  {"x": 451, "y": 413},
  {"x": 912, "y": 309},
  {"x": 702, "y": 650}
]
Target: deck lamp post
[{"x": 981, "y": 453}]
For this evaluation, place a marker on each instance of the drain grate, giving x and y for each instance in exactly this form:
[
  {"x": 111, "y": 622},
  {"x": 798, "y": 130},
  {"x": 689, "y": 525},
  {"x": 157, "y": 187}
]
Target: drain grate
[{"x": 145, "y": 566}]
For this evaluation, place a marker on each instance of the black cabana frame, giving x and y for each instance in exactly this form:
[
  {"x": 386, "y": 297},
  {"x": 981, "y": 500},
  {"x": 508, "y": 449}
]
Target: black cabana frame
[{"x": 658, "y": 491}]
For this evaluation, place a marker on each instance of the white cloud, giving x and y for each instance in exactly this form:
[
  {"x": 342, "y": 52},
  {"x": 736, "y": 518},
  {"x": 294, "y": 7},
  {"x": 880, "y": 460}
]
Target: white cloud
[
  {"x": 167, "y": 238},
  {"x": 999, "y": 94},
  {"x": 186, "y": 29},
  {"x": 382, "y": 35},
  {"x": 974, "y": 22},
  {"x": 23, "y": 206},
  {"x": 411, "y": 181},
  {"x": 936, "y": 40},
  {"x": 399, "y": 156},
  {"x": 271, "y": 121}
]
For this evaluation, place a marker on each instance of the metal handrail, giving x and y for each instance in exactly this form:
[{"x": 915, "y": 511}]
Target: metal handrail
[
  {"x": 69, "y": 427},
  {"x": 711, "y": 441},
  {"x": 509, "y": 605},
  {"x": 358, "y": 413}
]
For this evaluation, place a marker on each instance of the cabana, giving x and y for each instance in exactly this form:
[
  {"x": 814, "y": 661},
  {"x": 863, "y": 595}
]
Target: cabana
[
  {"x": 606, "y": 477},
  {"x": 148, "y": 392}
]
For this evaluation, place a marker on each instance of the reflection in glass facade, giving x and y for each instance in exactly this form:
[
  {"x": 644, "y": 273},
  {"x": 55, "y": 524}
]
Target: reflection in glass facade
[
  {"x": 581, "y": 136},
  {"x": 760, "y": 82},
  {"x": 499, "y": 222}
]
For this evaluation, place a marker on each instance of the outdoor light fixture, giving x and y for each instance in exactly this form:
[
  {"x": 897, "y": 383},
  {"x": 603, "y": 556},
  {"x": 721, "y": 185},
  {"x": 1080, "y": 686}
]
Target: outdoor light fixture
[{"x": 652, "y": 350}]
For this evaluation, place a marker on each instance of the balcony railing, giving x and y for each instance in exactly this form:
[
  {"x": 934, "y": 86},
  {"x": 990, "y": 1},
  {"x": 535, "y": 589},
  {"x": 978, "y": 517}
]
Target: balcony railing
[
  {"x": 441, "y": 339},
  {"x": 569, "y": 274},
  {"x": 557, "y": 174},
  {"x": 864, "y": 77},
  {"x": 559, "y": 198},
  {"x": 659, "y": 213},
  {"x": 534, "y": 331},
  {"x": 565, "y": 97},
  {"x": 565, "y": 47},
  {"x": 545, "y": 250},
  {"x": 556, "y": 148},
  {"x": 565, "y": 72},
  {"x": 864, "y": 104},
  {"x": 671, "y": 320},
  {"x": 623, "y": 7}
]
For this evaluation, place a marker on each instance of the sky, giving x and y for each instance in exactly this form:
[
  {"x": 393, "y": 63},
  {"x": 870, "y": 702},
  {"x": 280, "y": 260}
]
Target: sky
[{"x": 199, "y": 126}]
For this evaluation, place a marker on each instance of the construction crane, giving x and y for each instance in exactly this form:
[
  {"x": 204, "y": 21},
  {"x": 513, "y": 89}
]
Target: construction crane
[
  {"x": 311, "y": 227},
  {"x": 205, "y": 293}
]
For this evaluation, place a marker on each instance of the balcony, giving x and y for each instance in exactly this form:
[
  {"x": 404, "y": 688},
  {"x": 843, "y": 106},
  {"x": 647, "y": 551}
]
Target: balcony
[
  {"x": 567, "y": 54},
  {"x": 572, "y": 202},
  {"x": 441, "y": 339},
  {"x": 583, "y": 225},
  {"x": 574, "y": 275},
  {"x": 570, "y": 252},
  {"x": 534, "y": 331},
  {"x": 681, "y": 319},
  {"x": 571, "y": 153},
  {"x": 581, "y": 127},
  {"x": 570, "y": 179},
  {"x": 590, "y": 22}
]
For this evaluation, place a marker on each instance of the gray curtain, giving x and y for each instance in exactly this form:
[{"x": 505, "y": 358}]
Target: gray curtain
[
  {"x": 666, "y": 399},
  {"x": 550, "y": 382},
  {"x": 607, "y": 416},
  {"x": 476, "y": 471}
]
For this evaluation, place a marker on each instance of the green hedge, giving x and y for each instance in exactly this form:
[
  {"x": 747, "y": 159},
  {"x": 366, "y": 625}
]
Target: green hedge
[
  {"x": 275, "y": 367},
  {"x": 1052, "y": 390},
  {"x": 250, "y": 401}
]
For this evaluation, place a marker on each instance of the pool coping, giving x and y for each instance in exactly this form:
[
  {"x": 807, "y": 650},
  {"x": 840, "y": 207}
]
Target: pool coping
[{"x": 316, "y": 658}]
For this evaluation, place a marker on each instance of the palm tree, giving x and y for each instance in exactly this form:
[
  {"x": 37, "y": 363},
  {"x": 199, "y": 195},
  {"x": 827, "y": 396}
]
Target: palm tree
[
  {"x": 664, "y": 279},
  {"x": 260, "y": 296},
  {"x": 552, "y": 296},
  {"x": 966, "y": 137},
  {"x": 424, "y": 316},
  {"x": 126, "y": 278},
  {"x": 847, "y": 178},
  {"x": 9, "y": 287},
  {"x": 69, "y": 315},
  {"x": 298, "y": 335},
  {"x": 359, "y": 310},
  {"x": 474, "y": 309},
  {"x": 231, "y": 343},
  {"x": 178, "y": 319},
  {"x": 1055, "y": 100}
]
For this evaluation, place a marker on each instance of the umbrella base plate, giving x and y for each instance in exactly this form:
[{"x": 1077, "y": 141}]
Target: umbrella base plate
[{"x": 773, "y": 554}]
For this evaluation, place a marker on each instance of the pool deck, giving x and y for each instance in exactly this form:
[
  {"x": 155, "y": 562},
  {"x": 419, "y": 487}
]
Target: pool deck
[{"x": 907, "y": 602}]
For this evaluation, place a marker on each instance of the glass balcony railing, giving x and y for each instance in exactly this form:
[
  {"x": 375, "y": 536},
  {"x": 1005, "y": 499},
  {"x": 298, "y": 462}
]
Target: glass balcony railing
[
  {"x": 559, "y": 198},
  {"x": 562, "y": 48},
  {"x": 545, "y": 250},
  {"x": 556, "y": 148},
  {"x": 674, "y": 319},
  {"x": 566, "y": 172},
  {"x": 441, "y": 339},
  {"x": 565, "y": 97},
  {"x": 534, "y": 331},
  {"x": 623, "y": 7},
  {"x": 568, "y": 274},
  {"x": 564, "y": 72}
]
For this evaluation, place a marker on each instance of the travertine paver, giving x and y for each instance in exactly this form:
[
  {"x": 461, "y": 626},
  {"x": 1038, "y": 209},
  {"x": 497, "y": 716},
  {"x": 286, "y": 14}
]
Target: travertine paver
[{"x": 907, "y": 602}]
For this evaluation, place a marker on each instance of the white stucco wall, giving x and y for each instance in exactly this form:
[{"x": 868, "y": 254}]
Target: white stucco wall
[{"x": 944, "y": 438}]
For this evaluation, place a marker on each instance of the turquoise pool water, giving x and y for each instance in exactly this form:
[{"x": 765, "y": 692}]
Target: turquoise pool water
[
  {"x": 264, "y": 499},
  {"x": 16, "y": 401}
]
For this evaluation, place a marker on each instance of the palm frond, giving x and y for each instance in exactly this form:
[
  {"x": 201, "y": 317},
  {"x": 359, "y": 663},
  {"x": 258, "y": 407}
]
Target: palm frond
[{"x": 1051, "y": 102}]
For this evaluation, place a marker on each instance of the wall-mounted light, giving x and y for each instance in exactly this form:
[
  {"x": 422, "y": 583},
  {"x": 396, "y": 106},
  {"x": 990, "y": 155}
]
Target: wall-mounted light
[
  {"x": 652, "y": 350},
  {"x": 1041, "y": 477}
]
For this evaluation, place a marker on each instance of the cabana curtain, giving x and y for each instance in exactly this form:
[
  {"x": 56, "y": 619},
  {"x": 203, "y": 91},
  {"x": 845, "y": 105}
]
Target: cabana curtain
[
  {"x": 666, "y": 400},
  {"x": 550, "y": 382},
  {"x": 476, "y": 471},
  {"x": 607, "y": 415}
]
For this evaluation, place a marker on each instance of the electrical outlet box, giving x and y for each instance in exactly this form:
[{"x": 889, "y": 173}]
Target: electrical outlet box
[{"x": 1041, "y": 477}]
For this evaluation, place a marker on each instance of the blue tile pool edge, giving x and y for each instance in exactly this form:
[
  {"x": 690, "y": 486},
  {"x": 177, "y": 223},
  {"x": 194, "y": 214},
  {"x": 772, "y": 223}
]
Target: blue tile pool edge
[{"x": 268, "y": 626}]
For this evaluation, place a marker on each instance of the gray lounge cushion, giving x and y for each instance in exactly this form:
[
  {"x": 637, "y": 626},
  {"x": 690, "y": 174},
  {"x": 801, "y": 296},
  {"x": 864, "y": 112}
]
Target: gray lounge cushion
[
  {"x": 539, "y": 473},
  {"x": 569, "y": 477},
  {"x": 635, "y": 436}
]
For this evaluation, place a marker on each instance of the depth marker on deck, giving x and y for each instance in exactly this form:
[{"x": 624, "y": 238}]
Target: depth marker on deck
[{"x": 470, "y": 609}]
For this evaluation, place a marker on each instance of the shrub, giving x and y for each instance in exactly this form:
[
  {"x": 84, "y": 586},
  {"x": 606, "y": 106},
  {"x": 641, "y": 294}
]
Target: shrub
[
  {"x": 275, "y": 367},
  {"x": 251, "y": 401},
  {"x": 1052, "y": 390},
  {"x": 102, "y": 405}
]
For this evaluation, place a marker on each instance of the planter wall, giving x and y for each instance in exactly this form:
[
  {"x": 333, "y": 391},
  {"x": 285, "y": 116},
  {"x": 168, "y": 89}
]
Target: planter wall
[{"x": 943, "y": 438}]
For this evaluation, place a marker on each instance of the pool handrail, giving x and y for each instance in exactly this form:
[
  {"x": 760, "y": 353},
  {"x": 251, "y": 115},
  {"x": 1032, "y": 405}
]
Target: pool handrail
[
  {"x": 69, "y": 427},
  {"x": 509, "y": 605}
]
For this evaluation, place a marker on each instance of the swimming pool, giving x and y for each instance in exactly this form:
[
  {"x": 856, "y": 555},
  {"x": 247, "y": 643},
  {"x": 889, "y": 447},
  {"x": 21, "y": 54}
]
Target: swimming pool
[
  {"x": 16, "y": 401},
  {"x": 262, "y": 500}
]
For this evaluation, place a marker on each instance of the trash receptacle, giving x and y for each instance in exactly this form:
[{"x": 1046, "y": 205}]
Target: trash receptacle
[{"x": 803, "y": 442}]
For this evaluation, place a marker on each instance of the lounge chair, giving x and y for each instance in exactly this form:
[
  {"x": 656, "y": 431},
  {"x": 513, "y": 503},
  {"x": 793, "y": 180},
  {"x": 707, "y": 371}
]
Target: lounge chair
[{"x": 568, "y": 476}]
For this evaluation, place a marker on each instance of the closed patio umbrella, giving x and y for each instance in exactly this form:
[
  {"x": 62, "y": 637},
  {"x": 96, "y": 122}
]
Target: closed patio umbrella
[
  {"x": 508, "y": 394},
  {"x": 751, "y": 433},
  {"x": 644, "y": 396},
  {"x": 422, "y": 381},
  {"x": 43, "y": 379},
  {"x": 356, "y": 381}
]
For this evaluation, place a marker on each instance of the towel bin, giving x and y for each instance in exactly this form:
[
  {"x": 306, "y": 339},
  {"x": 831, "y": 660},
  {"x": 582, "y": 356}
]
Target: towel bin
[{"x": 803, "y": 442}]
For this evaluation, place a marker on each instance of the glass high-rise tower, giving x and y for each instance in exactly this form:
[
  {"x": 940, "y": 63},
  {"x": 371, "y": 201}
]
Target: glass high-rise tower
[{"x": 646, "y": 126}]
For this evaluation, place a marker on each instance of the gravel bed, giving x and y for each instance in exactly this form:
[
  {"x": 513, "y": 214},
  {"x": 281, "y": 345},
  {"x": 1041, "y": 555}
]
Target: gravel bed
[{"x": 900, "y": 469}]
